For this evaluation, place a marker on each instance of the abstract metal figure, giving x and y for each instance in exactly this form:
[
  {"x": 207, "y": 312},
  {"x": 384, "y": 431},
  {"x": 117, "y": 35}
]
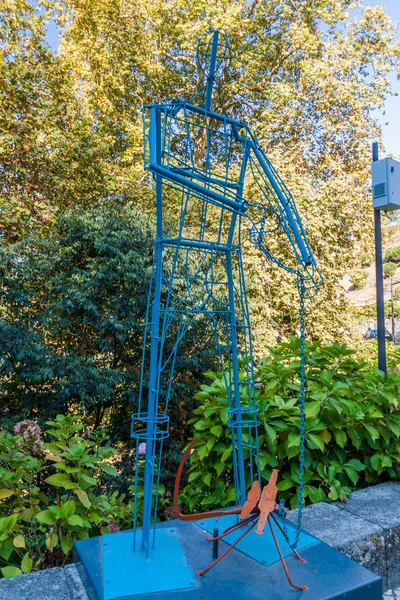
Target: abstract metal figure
[
  {"x": 208, "y": 165},
  {"x": 258, "y": 510}
]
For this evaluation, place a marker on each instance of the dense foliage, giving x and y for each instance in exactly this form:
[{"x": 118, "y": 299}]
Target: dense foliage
[
  {"x": 52, "y": 494},
  {"x": 62, "y": 483},
  {"x": 352, "y": 427},
  {"x": 72, "y": 309}
]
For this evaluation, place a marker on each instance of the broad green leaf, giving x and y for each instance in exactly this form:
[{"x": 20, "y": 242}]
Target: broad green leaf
[
  {"x": 6, "y": 548},
  {"x": 293, "y": 440},
  {"x": 26, "y": 564},
  {"x": 68, "y": 509},
  {"x": 83, "y": 497},
  {"x": 226, "y": 454},
  {"x": 312, "y": 409},
  {"x": 61, "y": 480},
  {"x": 355, "y": 464},
  {"x": 75, "y": 521},
  {"x": 6, "y": 493},
  {"x": 67, "y": 544},
  {"x": 45, "y": 517},
  {"x": 51, "y": 541},
  {"x": 7, "y": 524},
  {"x": 201, "y": 425},
  {"x": 10, "y": 571},
  {"x": 340, "y": 437},
  {"x": 19, "y": 541},
  {"x": 314, "y": 441},
  {"x": 216, "y": 430},
  {"x": 109, "y": 469}
]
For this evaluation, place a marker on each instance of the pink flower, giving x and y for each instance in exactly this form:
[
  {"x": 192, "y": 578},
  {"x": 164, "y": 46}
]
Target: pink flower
[
  {"x": 29, "y": 435},
  {"x": 113, "y": 527},
  {"x": 142, "y": 449}
]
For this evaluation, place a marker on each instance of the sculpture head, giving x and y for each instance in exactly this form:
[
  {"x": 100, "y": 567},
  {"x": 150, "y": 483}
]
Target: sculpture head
[{"x": 214, "y": 56}]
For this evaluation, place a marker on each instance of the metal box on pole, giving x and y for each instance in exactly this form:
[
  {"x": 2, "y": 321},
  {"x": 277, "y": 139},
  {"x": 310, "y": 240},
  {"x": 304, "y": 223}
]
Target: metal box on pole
[{"x": 386, "y": 184}]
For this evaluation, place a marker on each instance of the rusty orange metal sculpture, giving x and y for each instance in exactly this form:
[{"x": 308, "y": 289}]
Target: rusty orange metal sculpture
[{"x": 258, "y": 510}]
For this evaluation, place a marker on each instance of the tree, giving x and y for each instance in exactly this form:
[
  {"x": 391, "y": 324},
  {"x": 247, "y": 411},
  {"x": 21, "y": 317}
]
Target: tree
[
  {"x": 72, "y": 321},
  {"x": 50, "y": 159},
  {"x": 301, "y": 78}
]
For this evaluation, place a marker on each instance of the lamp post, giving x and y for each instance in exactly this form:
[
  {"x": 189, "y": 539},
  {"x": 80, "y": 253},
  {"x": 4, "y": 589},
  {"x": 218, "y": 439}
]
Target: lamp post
[
  {"x": 386, "y": 197},
  {"x": 380, "y": 304}
]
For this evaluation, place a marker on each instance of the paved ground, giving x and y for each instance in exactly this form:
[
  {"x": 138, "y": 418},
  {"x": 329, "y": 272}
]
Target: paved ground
[{"x": 392, "y": 595}]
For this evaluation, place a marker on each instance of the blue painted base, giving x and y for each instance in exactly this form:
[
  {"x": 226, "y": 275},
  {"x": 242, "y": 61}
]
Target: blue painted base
[
  {"x": 120, "y": 572},
  {"x": 171, "y": 572},
  {"x": 260, "y": 547}
]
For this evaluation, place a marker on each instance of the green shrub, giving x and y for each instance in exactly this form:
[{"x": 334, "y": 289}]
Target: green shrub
[
  {"x": 352, "y": 428},
  {"x": 389, "y": 269},
  {"x": 358, "y": 279},
  {"x": 51, "y": 494},
  {"x": 393, "y": 254},
  {"x": 366, "y": 259}
]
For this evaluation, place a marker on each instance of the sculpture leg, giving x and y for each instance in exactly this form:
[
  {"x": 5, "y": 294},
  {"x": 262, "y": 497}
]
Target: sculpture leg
[{"x": 302, "y": 588}]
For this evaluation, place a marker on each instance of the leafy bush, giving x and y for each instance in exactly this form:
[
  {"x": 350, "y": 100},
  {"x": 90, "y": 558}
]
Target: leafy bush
[
  {"x": 393, "y": 254},
  {"x": 366, "y": 259},
  {"x": 352, "y": 427},
  {"x": 389, "y": 269},
  {"x": 51, "y": 494},
  {"x": 358, "y": 279},
  {"x": 72, "y": 307}
]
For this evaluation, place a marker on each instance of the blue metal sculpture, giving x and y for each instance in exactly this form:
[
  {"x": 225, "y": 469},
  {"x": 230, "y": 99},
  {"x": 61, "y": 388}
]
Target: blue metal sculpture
[{"x": 214, "y": 166}]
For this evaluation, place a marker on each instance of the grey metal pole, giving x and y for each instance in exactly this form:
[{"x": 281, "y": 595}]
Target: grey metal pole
[{"x": 380, "y": 306}]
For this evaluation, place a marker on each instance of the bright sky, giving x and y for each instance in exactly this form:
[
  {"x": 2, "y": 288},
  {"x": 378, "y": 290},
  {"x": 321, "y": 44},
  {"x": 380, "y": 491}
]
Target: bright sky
[{"x": 390, "y": 120}]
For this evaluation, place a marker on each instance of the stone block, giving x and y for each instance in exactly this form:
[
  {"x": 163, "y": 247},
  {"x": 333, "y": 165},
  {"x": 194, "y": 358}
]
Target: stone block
[
  {"x": 356, "y": 537},
  {"x": 76, "y": 588},
  {"x": 380, "y": 505},
  {"x": 49, "y": 584}
]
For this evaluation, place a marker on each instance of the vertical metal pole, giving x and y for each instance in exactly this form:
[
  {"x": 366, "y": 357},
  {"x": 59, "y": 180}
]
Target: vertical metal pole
[
  {"x": 392, "y": 299},
  {"x": 380, "y": 306},
  {"x": 236, "y": 385},
  {"x": 211, "y": 74},
  {"x": 215, "y": 544},
  {"x": 152, "y": 407}
]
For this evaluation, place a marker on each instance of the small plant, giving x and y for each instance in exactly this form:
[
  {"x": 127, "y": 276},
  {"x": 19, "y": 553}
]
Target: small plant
[
  {"x": 389, "y": 269},
  {"x": 393, "y": 254},
  {"x": 52, "y": 493},
  {"x": 358, "y": 279},
  {"x": 366, "y": 259}
]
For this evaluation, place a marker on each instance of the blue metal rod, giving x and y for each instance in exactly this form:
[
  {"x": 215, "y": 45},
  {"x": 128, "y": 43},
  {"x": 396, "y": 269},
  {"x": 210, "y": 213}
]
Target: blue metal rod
[
  {"x": 211, "y": 75},
  {"x": 303, "y": 250},
  {"x": 152, "y": 410},
  {"x": 236, "y": 387},
  {"x": 187, "y": 183}
]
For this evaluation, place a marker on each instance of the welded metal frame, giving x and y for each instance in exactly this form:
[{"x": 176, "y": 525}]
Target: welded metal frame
[{"x": 206, "y": 158}]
